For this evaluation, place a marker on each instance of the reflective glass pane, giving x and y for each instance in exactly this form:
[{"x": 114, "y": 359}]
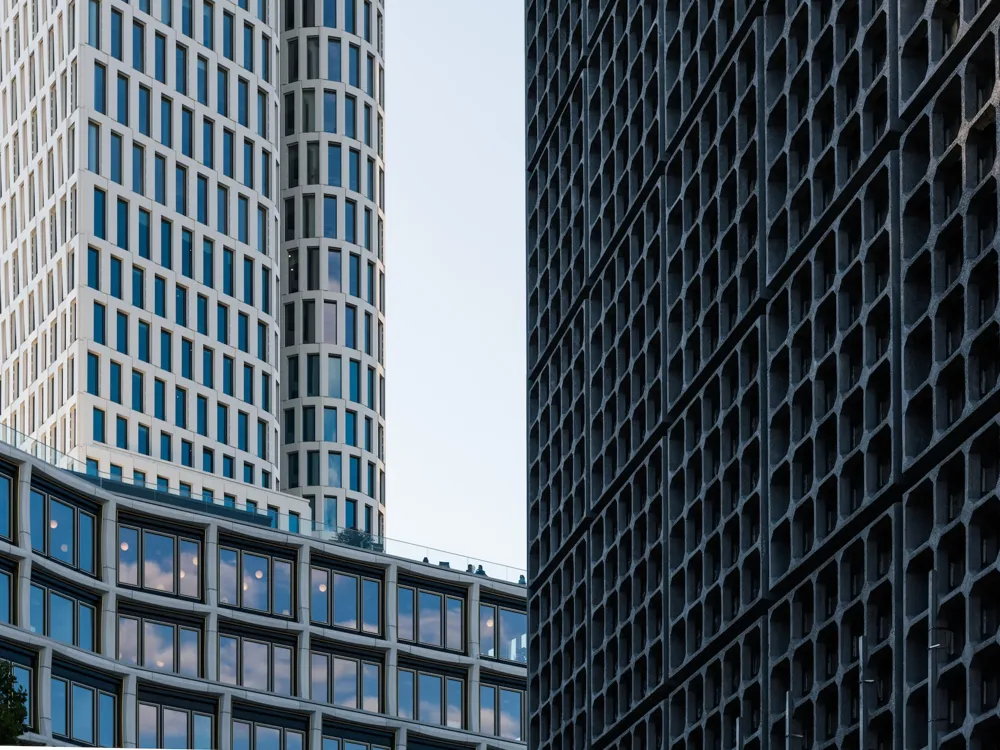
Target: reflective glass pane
[
  {"x": 329, "y": 743},
  {"x": 487, "y": 710},
  {"x": 345, "y": 601},
  {"x": 83, "y": 714},
  {"x": 128, "y": 556},
  {"x": 255, "y": 663},
  {"x": 513, "y": 635},
  {"x": 175, "y": 724},
  {"x": 107, "y": 720},
  {"x": 454, "y": 624},
  {"x": 228, "y": 563},
  {"x": 241, "y": 735},
  {"x": 158, "y": 646},
  {"x": 190, "y": 576},
  {"x": 227, "y": 665},
  {"x": 128, "y": 640},
  {"x": 430, "y": 619},
  {"x": 293, "y": 740},
  {"x": 59, "y": 707},
  {"x": 204, "y": 735},
  {"x": 282, "y": 587},
  {"x": 148, "y": 718},
  {"x": 61, "y": 518},
  {"x": 267, "y": 738},
  {"x": 37, "y": 521},
  {"x": 85, "y": 627},
  {"x": 487, "y": 628},
  {"x": 190, "y": 653},
  {"x": 37, "y": 609},
  {"x": 319, "y": 607},
  {"x": 404, "y": 688},
  {"x": 87, "y": 542},
  {"x": 371, "y": 605},
  {"x": 404, "y": 614},
  {"x": 5, "y": 506},
  {"x": 430, "y": 699},
  {"x": 4, "y": 597},
  {"x": 348, "y": 745},
  {"x": 61, "y": 610},
  {"x": 510, "y": 714},
  {"x": 371, "y": 690},
  {"x": 345, "y": 683},
  {"x": 282, "y": 670},
  {"x": 318, "y": 677},
  {"x": 255, "y": 581},
  {"x": 158, "y": 562},
  {"x": 456, "y": 705}
]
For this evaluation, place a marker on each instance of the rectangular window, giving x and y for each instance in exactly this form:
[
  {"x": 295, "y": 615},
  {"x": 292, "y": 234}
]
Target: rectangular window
[{"x": 100, "y": 88}]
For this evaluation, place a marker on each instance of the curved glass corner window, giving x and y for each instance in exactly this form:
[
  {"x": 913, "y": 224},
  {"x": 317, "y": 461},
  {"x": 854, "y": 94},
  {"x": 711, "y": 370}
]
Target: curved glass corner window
[
  {"x": 503, "y": 633},
  {"x": 258, "y": 736},
  {"x": 501, "y": 712},
  {"x": 254, "y": 664},
  {"x": 165, "y": 726},
  {"x": 64, "y": 532},
  {"x": 6, "y": 506},
  {"x": 353, "y": 602},
  {"x": 159, "y": 562},
  {"x": 430, "y": 618},
  {"x": 63, "y": 617},
  {"x": 262, "y": 583},
  {"x": 82, "y": 714},
  {"x": 158, "y": 645},
  {"x": 431, "y": 698}
]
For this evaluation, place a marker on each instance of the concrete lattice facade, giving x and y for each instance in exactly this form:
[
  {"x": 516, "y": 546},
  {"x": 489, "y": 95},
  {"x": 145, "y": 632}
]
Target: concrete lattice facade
[
  {"x": 333, "y": 289},
  {"x": 763, "y": 357},
  {"x": 135, "y": 607}
]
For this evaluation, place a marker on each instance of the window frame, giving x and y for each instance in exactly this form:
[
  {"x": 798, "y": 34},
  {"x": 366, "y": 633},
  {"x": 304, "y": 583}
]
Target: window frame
[
  {"x": 446, "y": 679},
  {"x": 290, "y": 561},
  {"x": 445, "y": 597},
  {"x": 140, "y": 644},
  {"x": 360, "y": 662},
  {"x": 329, "y": 573},
  {"x": 79, "y": 509},
  {"x": 142, "y": 531},
  {"x": 271, "y": 644}
]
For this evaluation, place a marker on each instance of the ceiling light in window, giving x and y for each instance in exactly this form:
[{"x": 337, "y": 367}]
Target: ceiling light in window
[
  {"x": 53, "y": 524},
  {"x": 322, "y": 588},
  {"x": 64, "y": 548},
  {"x": 124, "y": 546},
  {"x": 259, "y": 574}
]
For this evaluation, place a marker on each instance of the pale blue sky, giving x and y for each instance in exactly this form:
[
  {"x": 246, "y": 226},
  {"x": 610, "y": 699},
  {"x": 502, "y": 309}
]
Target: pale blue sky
[{"x": 455, "y": 275}]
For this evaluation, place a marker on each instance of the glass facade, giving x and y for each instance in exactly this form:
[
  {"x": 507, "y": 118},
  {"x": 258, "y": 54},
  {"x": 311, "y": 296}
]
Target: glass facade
[{"x": 244, "y": 630}]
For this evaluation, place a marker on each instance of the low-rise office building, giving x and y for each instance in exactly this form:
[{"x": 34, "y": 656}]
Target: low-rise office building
[{"x": 141, "y": 619}]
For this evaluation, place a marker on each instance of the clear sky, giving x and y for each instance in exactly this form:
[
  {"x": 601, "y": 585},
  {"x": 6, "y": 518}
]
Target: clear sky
[{"x": 455, "y": 328}]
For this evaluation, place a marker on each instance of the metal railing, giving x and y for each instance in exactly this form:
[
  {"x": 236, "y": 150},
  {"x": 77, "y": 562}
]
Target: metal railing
[{"x": 268, "y": 517}]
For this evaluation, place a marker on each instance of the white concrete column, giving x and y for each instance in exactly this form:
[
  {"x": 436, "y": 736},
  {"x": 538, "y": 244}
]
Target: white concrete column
[
  {"x": 226, "y": 720},
  {"x": 43, "y": 691},
  {"x": 22, "y": 503},
  {"x": 474, "y": 698},
  {"x": 315, "y": 738},
  {"x": 22, "y": 590},
  {"x": 129, "y": 707},
  {"x": 109, "y": 624},
  {"x": 401, "y": 739}
]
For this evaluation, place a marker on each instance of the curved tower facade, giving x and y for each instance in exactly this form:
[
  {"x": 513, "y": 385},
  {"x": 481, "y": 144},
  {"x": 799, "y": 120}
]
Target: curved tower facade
[{"x": 333, "y": 392}]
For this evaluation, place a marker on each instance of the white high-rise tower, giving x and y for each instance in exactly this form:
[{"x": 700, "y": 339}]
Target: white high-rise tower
[
  {"x": 333, "y": 283},
  {"x": 140, "y": 279}
]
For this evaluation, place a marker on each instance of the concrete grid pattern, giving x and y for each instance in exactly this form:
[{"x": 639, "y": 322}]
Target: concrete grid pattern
[{"x": 762, "y": 358}]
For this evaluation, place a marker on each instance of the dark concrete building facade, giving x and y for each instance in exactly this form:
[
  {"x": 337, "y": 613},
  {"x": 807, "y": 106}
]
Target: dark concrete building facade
[{"x": 763, "y": 414}]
